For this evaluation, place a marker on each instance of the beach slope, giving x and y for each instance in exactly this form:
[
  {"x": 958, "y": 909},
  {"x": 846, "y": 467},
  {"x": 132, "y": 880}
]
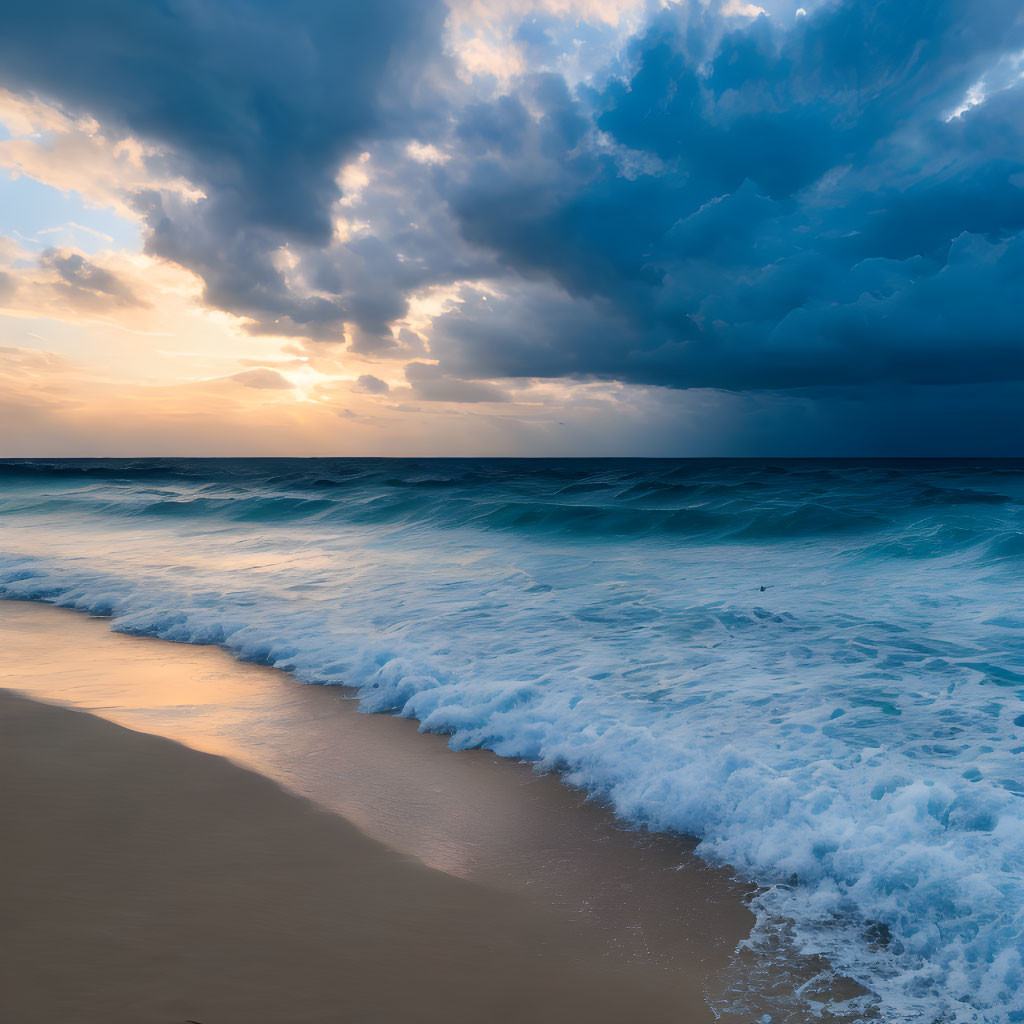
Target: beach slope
[{"x": 143, "y": 881}]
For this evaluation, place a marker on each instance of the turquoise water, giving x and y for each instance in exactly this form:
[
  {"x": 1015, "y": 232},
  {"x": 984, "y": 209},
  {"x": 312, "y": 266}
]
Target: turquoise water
[{"x": 816, "y": 668}]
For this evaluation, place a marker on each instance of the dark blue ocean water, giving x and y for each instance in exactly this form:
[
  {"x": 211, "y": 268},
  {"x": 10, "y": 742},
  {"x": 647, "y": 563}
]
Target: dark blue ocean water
[{"x": 816, "y": 668}]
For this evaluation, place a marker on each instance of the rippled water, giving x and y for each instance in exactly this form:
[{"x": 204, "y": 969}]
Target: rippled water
[{"x": 814, "y": 667}]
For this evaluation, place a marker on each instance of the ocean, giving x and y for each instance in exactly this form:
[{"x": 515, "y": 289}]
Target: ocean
[{"x": 816, "y": 668}]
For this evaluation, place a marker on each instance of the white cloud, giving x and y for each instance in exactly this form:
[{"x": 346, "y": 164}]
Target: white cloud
[{"x": 73, "y": 154}]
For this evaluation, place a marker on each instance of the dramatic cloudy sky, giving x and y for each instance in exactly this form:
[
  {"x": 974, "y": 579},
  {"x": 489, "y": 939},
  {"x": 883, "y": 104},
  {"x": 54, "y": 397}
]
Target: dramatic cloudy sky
[{"x": 512, "y": 227}]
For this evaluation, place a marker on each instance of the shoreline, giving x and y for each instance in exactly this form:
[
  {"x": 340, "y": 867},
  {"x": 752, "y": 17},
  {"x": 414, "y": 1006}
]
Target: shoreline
[{"x": 637, "y": 906}]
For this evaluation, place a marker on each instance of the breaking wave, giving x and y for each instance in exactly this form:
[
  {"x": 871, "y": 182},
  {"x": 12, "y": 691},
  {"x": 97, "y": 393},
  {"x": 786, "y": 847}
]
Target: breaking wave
[{"x": 815, "y": 668}]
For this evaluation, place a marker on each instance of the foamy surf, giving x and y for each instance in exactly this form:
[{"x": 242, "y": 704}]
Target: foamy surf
[{"x": 849, "y": 736}]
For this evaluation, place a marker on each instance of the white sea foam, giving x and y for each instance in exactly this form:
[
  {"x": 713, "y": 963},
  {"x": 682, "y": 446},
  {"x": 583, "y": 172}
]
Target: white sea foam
[{"x": 850, "y": 737}]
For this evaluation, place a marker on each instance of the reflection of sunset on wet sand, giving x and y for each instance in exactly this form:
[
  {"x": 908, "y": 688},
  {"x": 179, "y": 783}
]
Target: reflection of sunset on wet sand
[{"x": 625, "y": 897}]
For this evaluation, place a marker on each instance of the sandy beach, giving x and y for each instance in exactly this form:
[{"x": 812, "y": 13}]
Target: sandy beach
[{"x": 145, "y": 881}]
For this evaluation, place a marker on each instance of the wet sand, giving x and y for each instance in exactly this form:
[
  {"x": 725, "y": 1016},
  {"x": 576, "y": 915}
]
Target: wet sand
[{"x": 145, "y": 881}]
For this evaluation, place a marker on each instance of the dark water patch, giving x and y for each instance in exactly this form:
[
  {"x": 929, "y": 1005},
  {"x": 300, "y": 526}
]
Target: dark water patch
[
  {"x": 909, "y": 509},
  {"x": 932, "y": 495},
  {"x": 808, "y": 520},
  {"x": 1008, "y": 545}
]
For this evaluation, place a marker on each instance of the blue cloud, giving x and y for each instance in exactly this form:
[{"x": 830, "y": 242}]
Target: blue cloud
[{"x": 808, "y": 214}]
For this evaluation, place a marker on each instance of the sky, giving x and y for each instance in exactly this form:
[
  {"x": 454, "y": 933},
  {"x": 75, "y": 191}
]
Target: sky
[{"x": 512, "y": 227}]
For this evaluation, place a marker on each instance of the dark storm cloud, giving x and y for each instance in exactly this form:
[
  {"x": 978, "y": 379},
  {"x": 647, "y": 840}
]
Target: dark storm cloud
[
  {"x": 235, "y": 259},
  {"x": 807, "y": 215},
  {"x": 260, "y": 99},
  {"x": 407, "y": 241}
]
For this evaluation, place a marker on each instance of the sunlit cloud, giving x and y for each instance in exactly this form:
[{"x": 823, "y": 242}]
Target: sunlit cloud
[
  {"x": 487, "y": 41},
  {"x": 74, "y": 154},
  {"x": 742, "y": 9},
  {"x": 265, "y": 378},
  {"x": 1007, "y": 72}
]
